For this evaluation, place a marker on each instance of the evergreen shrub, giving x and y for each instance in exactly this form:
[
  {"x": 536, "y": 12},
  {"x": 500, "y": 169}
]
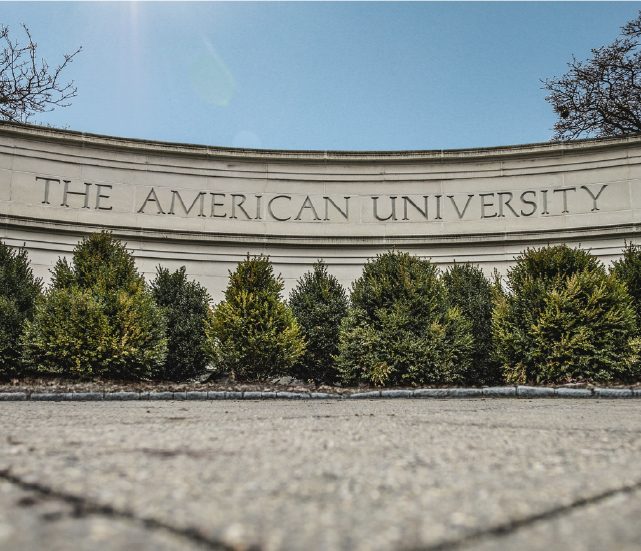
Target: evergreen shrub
[
  {"x": 473, "y": 294},
  {"x": 97, "y": 318},
  {"x": 319, "y": 303},
  {"x": 564, "y": 319},
  {"x": 186, "y": 308},
  {"x": 400, "y": 328},
  {"x": 253, "y": 334},
  {"x": 19, "y": 291},
  {"x": 628, "y": 270}
]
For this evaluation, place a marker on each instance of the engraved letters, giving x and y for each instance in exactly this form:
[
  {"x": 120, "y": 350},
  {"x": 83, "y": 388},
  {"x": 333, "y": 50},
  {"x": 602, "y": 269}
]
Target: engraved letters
[
  {"x": 68, "y": 194},
  {"x": 298, "y": 208}
]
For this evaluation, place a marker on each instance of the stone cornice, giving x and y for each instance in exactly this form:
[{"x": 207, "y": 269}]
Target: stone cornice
[{"x": 149, "y": 147}]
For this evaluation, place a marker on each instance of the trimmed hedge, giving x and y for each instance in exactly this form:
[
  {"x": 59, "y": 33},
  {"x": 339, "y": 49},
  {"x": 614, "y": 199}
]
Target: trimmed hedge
[
  {"x": 319, "y": 303},
  {"x": 19, "y": 292},
  {"x": 97, "y": 318},
  {"x": 561, "y": 318},
  {"x": 185, "y": 305},
  {"x": 253, "y": 334},
  {"x": 400, "y": 328},
  {"x": 472, "y": 293},
  {"x": 628, "y": 270},
  {"x": 564, "y": 319}
]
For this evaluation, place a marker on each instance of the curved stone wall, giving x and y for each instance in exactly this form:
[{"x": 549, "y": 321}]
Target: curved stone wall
[{"x": 207, "y": 207}]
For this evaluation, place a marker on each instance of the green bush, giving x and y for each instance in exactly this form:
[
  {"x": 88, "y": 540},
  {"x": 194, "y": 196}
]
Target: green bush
[
  {"x": 97, "y": 318},
  {"x": 19, "y": 291},
  {"x": 186, "y": 307},
  {"x": 472, "y": 293},
  {"x": 253, "y": 335},
  {"x": 70, "y": 335},
  {"x": 563, "y": 319},
  {"x": 400, "y": 328},
  {"x": 628, "y": 270},
  {"x": 319, "y": 303}
]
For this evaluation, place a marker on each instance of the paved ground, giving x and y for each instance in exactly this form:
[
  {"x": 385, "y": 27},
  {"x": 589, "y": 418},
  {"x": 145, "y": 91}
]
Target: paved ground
[{"x": 383, "y": 474}]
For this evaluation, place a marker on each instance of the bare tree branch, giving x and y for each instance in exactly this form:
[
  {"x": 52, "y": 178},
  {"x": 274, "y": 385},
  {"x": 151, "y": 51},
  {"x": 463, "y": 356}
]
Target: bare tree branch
[
  {"x": 28, "y": 85},
  {"x": 600, "y": 96}
]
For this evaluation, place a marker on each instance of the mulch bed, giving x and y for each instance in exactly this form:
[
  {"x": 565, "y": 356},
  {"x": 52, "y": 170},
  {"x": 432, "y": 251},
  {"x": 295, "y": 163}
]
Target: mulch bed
[{"x": 63, "y": 385}]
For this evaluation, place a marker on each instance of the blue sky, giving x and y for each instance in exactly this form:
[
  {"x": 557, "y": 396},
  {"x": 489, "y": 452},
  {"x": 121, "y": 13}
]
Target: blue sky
[{"x": 350, "y": 76}]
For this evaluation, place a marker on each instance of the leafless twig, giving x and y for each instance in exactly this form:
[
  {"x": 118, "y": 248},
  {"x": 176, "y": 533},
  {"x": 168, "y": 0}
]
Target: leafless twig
[{"x": 29, "y": 85}]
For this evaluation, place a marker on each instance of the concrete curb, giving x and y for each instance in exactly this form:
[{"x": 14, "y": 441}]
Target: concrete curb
[{"x": 439, "y": 393}]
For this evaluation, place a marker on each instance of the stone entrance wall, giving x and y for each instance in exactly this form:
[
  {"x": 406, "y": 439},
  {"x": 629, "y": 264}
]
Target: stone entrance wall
[{"x": 208, "y": 207}]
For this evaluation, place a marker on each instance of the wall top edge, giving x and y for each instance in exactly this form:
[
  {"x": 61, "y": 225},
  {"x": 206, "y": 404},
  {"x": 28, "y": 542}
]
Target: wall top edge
[{"x": 90, "y": 140}]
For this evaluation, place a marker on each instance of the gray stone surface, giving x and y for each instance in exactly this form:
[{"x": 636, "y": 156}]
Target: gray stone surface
[
  {"x": 12, "y": 396},
  {"x": 252, "y": 395},
  {"x": 292, "y": 395},
  {"x": 499, "y": 391},
  {"x": 535, "y": 392},
  {"x": 85, "y": 396},
  {"x": 396, "y": 393},
  {"x": 37, "y": 165},
  {"x": 196, "y": 395},
  {"x": 432, "y": 393},
  {"x": 611, "y": 524},
  {"x": 31, "y": 521},
  {"x": 324, "y": 396},
  {"x": 122, "y": 395},
  {"x": 46, "y": 396},
  {"x": 365, "y": 395},
  {"x": 574, "y": 393},
  {"x": 320, "y": 474},
  {"x": 161, "y": 396},
  {"x": 488, "y": 392},
  {"x": 613, "y": 393},
  {"x": 466, "y": 392}
]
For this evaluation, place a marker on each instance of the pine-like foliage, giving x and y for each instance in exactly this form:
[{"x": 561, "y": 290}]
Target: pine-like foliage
[
  {"x": 472, "y": 293},
  {"x": 186, "y": 307},
  {"x": 400, "y": 328},
  {"x": 319, "y": 303},
  {"x": 628, "y": 270},
  {"x": 563, "y": 319},
  {"x": 19, "y": 291},
  {"x": 253, "y": 334},
  {"x": 98, "y": 318}
]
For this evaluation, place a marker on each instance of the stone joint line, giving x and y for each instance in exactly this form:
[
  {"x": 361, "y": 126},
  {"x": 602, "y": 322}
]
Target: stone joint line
[
  {"x": 88, "y": 507},
  {"x": 511, "y": 526}
]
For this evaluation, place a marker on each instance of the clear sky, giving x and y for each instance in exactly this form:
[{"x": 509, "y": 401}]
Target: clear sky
[{"x": 297, "y": 75}]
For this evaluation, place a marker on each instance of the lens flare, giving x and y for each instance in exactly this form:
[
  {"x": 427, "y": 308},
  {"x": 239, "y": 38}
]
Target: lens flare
[{"x": 211, "y": 78}]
